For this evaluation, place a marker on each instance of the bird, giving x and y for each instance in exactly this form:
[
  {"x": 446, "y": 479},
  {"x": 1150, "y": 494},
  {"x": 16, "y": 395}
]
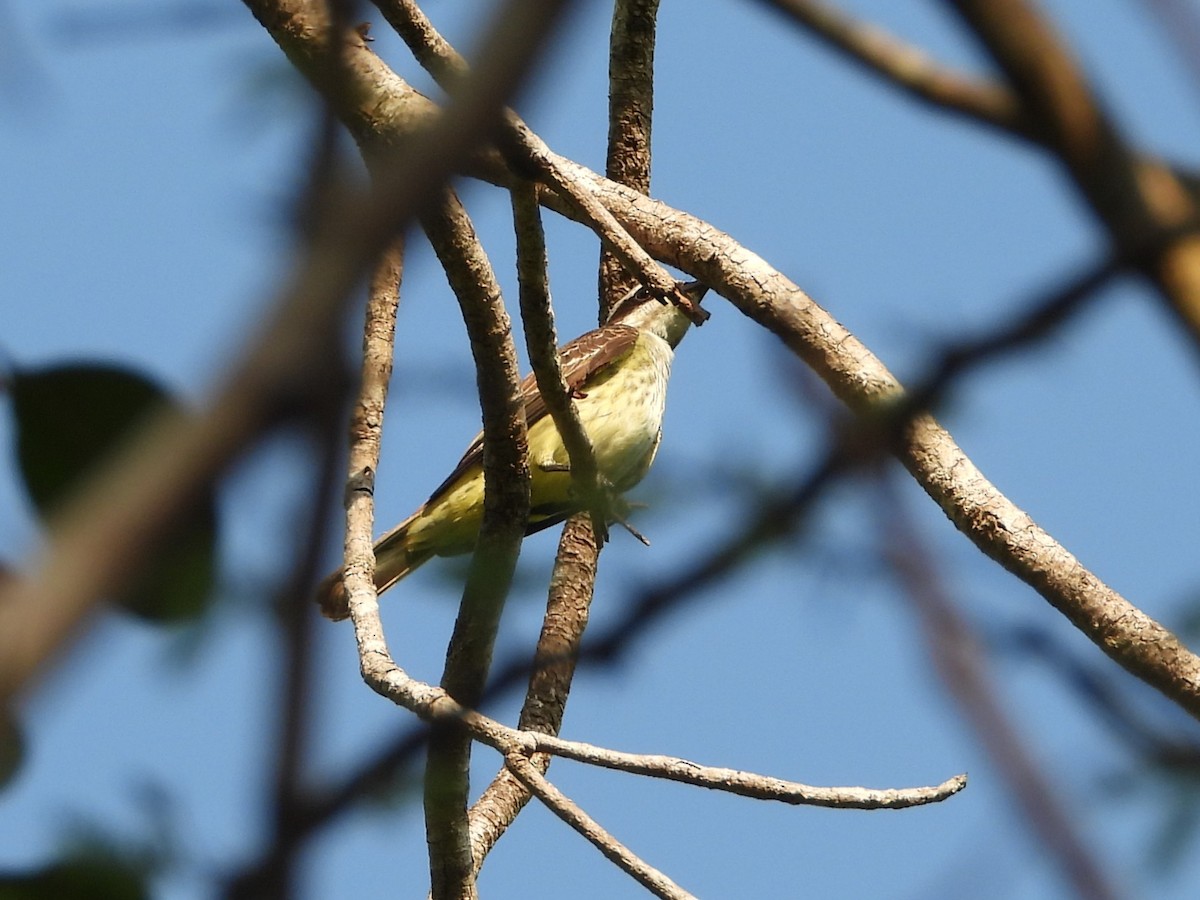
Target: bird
[{"x": 617, "y": 376}]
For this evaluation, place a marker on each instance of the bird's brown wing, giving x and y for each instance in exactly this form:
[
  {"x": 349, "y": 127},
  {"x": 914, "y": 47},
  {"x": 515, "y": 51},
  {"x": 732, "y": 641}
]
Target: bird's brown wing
[{"x": 580, "y": 359}]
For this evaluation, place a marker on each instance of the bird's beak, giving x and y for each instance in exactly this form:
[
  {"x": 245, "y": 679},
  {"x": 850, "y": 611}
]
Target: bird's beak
[{"x": 688, "y": 295}]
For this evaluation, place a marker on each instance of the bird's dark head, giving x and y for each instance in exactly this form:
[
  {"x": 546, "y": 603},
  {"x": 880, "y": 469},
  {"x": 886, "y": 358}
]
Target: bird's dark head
[{"x": 669, "y": 318}]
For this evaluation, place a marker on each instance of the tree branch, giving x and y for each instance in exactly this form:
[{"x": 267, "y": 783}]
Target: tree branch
[
  {"x": 366, "y": 425},
  {"x": 512, "y": 40},
  {"x": 573, "y": 580},
  {"x": 630, "y": 122},
  {"x": 505, "y": 512},
  {"x": 434, "y": 704}
]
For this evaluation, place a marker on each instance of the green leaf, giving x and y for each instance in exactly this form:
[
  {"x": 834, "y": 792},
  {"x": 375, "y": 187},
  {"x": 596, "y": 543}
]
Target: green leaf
[{"x": 70, "y": 420}]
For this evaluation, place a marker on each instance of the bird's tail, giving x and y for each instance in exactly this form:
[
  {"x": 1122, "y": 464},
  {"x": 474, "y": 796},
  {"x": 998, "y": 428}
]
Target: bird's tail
[{"x": 394, "y": 559}]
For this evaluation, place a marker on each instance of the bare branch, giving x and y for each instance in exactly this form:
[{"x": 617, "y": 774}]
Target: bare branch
[
  {"x": 435, "y": 705},
  {"x": 563, "y": 807},
  {"x": 568, "y": 604},
  {"x": 505, "y": 457},
  {"x": 366, "y": 426},
  {"x": 748, "y": 784},
  {"x": 512, "y": 40},
  {"x": 631, "y": 93},
  {"x": 631, "y": 101}
]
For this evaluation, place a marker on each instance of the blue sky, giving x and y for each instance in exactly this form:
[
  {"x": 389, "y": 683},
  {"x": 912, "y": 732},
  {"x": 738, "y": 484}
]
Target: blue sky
[{"x": 147, "y": 172}]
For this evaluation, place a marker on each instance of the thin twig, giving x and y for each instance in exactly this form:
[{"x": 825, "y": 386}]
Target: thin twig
[
  {"x": 567, "y": 810},
  {"x": 575, "y": 565},
  {"x": 366, "y": 425},
  {"x": 434, "y": 704},
  {"x": 749, "y": 784}
]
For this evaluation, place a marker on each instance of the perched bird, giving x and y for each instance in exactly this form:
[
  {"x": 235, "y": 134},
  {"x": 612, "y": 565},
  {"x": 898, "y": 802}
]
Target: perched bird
[{"x": 617, "y": 375}]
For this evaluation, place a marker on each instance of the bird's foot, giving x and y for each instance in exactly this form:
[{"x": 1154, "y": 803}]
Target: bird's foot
[
  {"x": 605, "y": 505},
  {"x": 609, "y": 506}
]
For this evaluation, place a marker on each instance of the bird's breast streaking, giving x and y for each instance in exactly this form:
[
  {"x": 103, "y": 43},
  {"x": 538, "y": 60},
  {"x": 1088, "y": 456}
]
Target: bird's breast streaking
[{"x": 618, "y": 378}]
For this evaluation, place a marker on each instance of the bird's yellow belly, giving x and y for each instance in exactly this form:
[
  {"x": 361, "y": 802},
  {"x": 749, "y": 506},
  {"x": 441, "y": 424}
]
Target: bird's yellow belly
[{"x": 622, "y": 416}]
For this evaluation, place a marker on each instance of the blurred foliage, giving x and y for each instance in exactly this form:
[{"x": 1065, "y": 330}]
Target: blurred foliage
[
  {"x": 12, "y": 747},
  {"x": 88, "y": 875},
  {"x": 1162, "y": 742},
  {"x": 72, "y": 419}
]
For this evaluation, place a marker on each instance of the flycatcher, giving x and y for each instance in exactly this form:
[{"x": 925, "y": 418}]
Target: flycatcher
[{"x": 617, "y": 376}]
